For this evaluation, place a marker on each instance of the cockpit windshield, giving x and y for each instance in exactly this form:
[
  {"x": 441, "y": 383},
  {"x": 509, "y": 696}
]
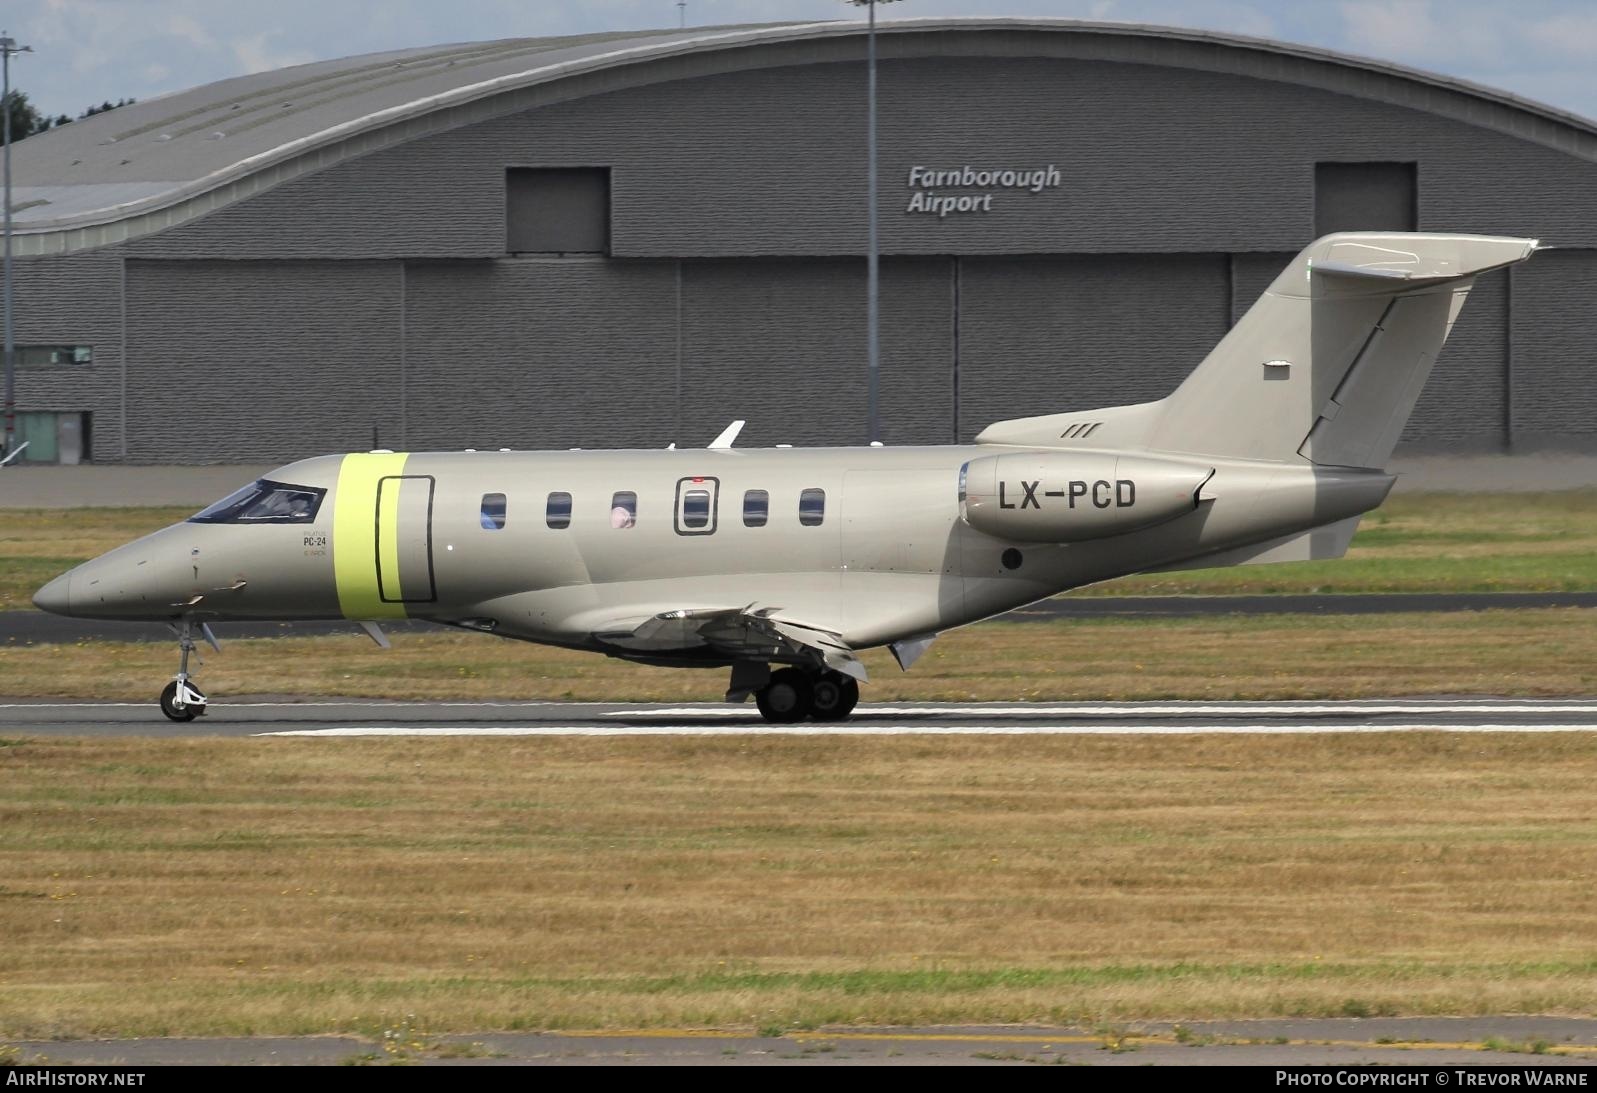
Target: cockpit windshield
[{"x": 264, "y": 502}]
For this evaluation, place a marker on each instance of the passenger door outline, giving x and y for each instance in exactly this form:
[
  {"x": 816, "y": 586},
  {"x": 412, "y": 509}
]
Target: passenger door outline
[
  {"x": 686, "y": 485},
  {"x": 403, "y": 524}
]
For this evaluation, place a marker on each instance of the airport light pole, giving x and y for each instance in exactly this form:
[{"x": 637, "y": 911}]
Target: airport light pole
[
  {"x": 8, "y": 46},
  {"x": 873, "y": 370}
]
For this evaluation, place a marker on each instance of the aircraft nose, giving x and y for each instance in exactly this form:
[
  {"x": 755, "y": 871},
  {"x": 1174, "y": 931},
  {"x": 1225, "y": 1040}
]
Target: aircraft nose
[{"x": 55, "y": 597}]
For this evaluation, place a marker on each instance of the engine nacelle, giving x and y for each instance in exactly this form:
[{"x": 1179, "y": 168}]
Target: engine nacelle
[{"x": 1066, "y": 497}]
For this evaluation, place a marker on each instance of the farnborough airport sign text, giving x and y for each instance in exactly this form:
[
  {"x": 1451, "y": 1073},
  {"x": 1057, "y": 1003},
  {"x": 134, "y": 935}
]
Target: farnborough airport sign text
[{"x": 926, "y": 182}]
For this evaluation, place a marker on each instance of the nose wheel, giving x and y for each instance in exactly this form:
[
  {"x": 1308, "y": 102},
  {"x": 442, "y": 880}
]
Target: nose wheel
[{"x": 181, "y": 700}]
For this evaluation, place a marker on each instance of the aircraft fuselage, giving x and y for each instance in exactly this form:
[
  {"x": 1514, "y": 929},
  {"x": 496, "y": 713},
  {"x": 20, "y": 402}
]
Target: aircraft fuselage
[{"x": 873, "y": 544}]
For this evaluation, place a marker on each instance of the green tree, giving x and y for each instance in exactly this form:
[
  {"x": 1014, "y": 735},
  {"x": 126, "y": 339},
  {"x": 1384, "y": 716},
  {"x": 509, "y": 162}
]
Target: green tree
[{"x": 25, "y": 120}]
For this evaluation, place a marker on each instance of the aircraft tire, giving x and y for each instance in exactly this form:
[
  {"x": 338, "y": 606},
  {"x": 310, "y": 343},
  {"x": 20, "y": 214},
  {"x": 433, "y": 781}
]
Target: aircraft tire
[
  {"x": 833, "y": 696},
  {"x": 170, "y": 708},
  {"x": 786, "y": 699}
]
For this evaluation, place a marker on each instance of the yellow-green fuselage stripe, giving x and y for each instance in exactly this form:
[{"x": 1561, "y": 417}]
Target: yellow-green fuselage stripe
[
  {"x": 388, "y": 581},
  {"x": 356, "y": 535}
]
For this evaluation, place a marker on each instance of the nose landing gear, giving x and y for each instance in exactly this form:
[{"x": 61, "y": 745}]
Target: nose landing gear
[{"x": 181, "y": 700}]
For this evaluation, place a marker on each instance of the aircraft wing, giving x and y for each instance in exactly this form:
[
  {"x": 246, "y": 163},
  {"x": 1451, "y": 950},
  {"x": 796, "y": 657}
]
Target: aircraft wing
[{"x": 738, "y": 632}]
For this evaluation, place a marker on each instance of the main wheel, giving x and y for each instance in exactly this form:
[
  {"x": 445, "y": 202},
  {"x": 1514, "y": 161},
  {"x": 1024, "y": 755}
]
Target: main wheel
[
  {"x": 169, "y": 706},
  {"x": 786, "y": 699},
  {"x": 833, "y": 696}
]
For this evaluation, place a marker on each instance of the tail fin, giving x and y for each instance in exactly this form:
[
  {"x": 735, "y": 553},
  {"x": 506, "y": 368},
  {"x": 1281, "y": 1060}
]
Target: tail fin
[{"x": 1329, "y": 362}]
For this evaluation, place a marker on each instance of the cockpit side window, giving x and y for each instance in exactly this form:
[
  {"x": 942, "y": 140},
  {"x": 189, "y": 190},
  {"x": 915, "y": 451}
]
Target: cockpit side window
[{"x": 264, "y": 502}]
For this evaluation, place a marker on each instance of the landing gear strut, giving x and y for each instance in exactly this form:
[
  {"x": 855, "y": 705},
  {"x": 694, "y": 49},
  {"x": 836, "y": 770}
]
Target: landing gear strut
[
  {"x": 182, "y": 700},
  {"x": 794, "y": 694}
]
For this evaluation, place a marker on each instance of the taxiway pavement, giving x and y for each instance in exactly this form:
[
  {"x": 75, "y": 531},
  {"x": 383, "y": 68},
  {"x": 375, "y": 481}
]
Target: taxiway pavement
[{"x": 1537, "y": 1043}]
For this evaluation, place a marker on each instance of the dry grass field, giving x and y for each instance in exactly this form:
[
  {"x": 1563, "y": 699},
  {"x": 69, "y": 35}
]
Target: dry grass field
[{"x": 209, "y": 886}]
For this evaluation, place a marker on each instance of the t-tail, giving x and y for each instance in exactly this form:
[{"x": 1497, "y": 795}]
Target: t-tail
[
  {"x": 1324, "y": 369},
  {"x": 1328, "y": 364}
]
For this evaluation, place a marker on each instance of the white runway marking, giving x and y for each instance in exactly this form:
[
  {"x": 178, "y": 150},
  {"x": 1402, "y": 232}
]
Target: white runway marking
[
  {"x": 1177, "y": 709},
  {"x": 366, "y": 717},
  {"x": 1278, "y": 728}
]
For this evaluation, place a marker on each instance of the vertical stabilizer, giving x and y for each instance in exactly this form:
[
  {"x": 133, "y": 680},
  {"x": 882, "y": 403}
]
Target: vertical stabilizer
[{"x": 1328, "y": 364}]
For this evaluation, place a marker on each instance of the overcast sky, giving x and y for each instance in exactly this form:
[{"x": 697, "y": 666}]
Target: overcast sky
[{"x": 91, "y": 50}]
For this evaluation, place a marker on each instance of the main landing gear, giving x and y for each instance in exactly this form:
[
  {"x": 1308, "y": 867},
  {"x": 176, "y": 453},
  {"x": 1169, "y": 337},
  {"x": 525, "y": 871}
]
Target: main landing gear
[
  {"x": 794, "y": 694},
  {"x": 182, "y": 700}
]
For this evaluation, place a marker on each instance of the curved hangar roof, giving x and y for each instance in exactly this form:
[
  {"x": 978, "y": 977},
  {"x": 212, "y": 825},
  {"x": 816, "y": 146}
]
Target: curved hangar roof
[{"x": 141, "y": 168}]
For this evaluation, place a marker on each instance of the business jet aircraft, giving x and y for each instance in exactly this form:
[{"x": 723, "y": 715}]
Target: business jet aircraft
[{"x": 799, "y": 558}]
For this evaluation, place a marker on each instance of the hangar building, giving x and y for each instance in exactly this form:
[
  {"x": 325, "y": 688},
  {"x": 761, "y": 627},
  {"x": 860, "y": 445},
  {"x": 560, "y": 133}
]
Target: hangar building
[{"x": 629, "y": 239}]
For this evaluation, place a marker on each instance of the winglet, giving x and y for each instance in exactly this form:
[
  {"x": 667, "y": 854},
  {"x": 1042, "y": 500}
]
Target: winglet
[{"x": 728, "y": 435}]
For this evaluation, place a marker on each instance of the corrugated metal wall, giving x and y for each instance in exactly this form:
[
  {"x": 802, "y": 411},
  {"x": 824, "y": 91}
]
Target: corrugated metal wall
[
  {"x": 254, "y": 361},
  {"x": 540, "y": 353},
  {"x": 1554, "y": 337},
  {"x": 782, "y": 344},
  {"x": 1038, "y": 335}
]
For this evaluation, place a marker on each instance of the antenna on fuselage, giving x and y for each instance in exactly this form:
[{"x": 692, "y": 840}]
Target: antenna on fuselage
[{"x": 728, "y": 435}]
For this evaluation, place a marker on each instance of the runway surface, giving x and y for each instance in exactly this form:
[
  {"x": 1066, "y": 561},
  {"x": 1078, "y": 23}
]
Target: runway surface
[
  {"x": 1346, "y": 1042},
  {"x": 345, "y": 718},
  {"x": 38, "y": 628}
]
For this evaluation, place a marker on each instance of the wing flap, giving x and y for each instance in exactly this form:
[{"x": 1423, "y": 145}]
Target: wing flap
[{"x": 737, "y": 632}]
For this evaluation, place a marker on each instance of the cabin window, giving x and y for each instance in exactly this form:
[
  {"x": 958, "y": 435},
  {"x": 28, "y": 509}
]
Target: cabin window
[
  {"x": 812, "y": 507},
  {"x": 558, "y": 514},
  {"x": 493, "y": 511},
  {"x": 756, "y": 508},
  {"x": 696, "y": 509},
  {"x": 624, "y": 509}
]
